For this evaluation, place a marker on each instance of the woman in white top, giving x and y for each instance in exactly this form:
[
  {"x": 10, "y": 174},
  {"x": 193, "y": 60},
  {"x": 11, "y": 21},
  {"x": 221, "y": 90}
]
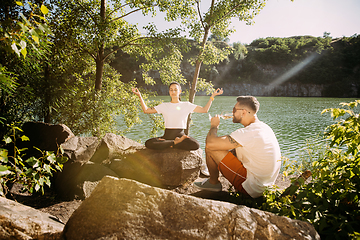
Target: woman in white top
[{"x": 175, "y": 115}]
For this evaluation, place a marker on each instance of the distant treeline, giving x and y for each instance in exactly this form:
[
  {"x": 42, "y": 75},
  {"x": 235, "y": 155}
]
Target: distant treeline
[{"x": 332, "y": 63}]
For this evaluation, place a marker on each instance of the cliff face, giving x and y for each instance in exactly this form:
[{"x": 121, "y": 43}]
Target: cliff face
[
  {"x": 286, "y": 90},
  {"x": 269, "y": 81},
  {"x": 301, "y": 66}
]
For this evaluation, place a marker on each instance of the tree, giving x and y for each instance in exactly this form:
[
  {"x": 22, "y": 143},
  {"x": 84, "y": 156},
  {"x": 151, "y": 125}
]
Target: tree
[
  {"x": 94, "y": 31},
  {"x": 216, "y": 21},
  {"x": 24, "y": 37},
  {"x": 32, "y": 173},
  {"x": 101, "y": 29},
  {"x": 240, "y": 51}
]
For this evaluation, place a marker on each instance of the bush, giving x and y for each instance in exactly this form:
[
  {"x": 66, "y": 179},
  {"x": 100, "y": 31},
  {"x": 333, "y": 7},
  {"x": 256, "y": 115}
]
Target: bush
[{"x": 33, "y": 173}]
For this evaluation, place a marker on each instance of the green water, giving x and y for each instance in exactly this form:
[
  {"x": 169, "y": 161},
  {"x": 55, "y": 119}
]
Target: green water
[{"x": 292, "y": 119}]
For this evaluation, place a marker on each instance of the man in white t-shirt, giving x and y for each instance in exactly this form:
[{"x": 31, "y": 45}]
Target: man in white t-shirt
[{"x": 249, "y": 157}]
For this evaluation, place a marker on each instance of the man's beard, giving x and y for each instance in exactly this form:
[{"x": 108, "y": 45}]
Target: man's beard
[{"x": 237, "y": 120}]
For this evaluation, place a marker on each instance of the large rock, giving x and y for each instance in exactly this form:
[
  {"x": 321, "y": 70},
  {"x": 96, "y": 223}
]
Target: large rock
[
  {"x": 165, "y": 168},
  {"x": 77, "y": 180},
  {"x": 80, "y": 149},
  {"x": 21, "y": 222},
  {"x": 47, "y": 137},
  {"x": 80, "y": 174},
  {"x": 111, "y": 146},
  {"x": 126, "y": 209},
  {"x": 91, "y": 160}
]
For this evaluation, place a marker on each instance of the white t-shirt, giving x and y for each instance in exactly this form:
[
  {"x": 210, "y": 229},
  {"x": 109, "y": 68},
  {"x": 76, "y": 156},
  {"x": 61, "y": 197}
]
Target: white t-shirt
[
  {"x": 175, "y": 114},
  {"x": 260, "y": 155}
]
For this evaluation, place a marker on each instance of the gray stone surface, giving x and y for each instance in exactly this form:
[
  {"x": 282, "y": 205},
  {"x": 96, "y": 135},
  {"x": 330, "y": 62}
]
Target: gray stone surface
[
  {"x": 165, "y": 168},
  {"x": 70, "y": 183},
  {"x": 80, "y": 149},
  {"x": 111, "y": 146},
  {"x": 91, "y": 160},
  {"x": 126, "y": 209},
  {"x": 18, "y": 221}
]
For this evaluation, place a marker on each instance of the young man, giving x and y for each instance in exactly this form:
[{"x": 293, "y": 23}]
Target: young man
[{"x": 249, "y": 157}]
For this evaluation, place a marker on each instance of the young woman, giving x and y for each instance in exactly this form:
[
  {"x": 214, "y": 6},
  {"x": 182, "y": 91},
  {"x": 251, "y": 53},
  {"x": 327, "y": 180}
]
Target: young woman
[{"x": 175, "y": 115}]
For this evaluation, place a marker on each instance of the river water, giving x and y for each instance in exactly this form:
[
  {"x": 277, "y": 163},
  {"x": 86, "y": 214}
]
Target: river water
[{"x": 293, "y": 119}]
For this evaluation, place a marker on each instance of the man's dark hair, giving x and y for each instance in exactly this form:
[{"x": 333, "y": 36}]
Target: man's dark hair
[{"x": 249, "y": 101}]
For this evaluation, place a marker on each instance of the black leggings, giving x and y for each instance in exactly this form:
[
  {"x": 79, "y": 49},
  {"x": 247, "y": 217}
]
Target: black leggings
[{"x": 169, "y": 136}]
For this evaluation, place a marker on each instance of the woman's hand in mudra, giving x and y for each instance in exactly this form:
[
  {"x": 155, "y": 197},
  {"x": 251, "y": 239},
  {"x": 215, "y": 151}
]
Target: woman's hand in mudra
[
  {"x": 218, "y": 91},
  {"x": 136, "y": 91},
  {"x": 180, "y": 139}
]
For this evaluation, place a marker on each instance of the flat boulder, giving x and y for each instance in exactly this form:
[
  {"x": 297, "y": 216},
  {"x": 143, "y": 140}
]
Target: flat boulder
[
  {"x": 111, "y": 146},
  {"x": 126, "y": 209},
  {"x": 165, "y": 168},
  {"x": 90, "y": 160},
  {"x": 18, "y": 221}
]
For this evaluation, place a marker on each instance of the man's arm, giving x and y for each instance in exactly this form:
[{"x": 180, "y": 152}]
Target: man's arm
[{"x": 216, "y": 143}]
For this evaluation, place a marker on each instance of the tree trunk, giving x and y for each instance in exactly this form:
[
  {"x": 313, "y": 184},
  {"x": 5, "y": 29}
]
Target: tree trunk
[
  {"x": 99, "y": 68},
  {"x": 47, "y": 95},
  {"x": 100, "y": 56},
  {"x": 194, "y": 81},
  {"x": 192, "y": 91}
]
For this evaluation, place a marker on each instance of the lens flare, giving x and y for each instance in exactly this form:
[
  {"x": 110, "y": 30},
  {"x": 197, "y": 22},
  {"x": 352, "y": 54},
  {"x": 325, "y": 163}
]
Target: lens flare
[{"x": 286, "y": 76}]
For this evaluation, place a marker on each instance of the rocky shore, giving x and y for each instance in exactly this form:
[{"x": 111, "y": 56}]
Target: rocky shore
[
  {"x": 115, "y": 188},
  {"x": 62, "y": 209}
]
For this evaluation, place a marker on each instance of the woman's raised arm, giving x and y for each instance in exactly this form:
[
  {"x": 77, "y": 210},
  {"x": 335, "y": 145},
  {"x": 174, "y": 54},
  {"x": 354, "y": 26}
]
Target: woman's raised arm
[
  {"x": 143, "y": 105},
  {"x": 206, "y": 108}
]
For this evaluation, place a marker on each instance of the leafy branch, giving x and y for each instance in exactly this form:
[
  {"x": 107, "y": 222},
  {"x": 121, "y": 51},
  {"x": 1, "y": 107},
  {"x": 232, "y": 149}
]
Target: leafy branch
[{"x": 33, "y": 173}]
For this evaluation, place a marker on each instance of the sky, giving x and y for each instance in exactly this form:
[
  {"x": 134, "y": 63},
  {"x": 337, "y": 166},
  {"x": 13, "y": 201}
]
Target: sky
[{"x": 283, "y": 18}]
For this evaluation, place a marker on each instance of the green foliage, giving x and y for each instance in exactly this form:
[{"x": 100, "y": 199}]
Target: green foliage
[
  {"x": 335, "y": 65},
  {"x": 101, "y": 36},
  {"x": 8, "y": 82},
  {"x": 33, "y": 173},
  {"x": 330, "y": 201},
  {"x": 345, "y": 133},
  {"x": 240, "y": 51},
  {"x": 23, "y": 32},
  {"x": 92, "y": 113},
  {"x": 167, "y": 60},
  {"x": 282, "y": 51},
  {"x": 214, "y": 53},
  {"x": 217, "y": 21},
  {"x": 30, "y": 30}
]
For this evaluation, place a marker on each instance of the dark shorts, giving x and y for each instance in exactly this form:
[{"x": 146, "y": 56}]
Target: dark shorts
[{"x": 234, "y": 171}]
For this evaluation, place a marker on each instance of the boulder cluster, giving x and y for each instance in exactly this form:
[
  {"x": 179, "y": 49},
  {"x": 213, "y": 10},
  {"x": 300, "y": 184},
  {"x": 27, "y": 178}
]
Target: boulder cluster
[{"x": 127, "y": 192}]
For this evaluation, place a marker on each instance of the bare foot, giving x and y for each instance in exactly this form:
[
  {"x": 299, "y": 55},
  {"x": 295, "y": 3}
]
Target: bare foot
[{"x": 179, "y": 140}]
